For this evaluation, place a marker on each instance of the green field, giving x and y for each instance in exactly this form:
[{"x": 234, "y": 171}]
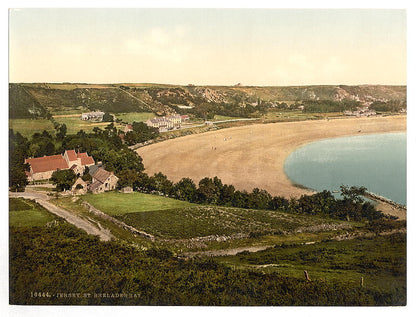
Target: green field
[
  {"x": 74, "y": 124},
  {"x": 114, "y": 203},
  {"x": 200, "y": 221},
  {"x": 25, "y": 213},
  {"x": 135, "y": 116},
  {"x": 27, "y": 127},
  {"x": 381, "y": 261}
]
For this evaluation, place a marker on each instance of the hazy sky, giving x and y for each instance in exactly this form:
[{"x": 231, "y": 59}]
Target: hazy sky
[{"x": 208, "y": 46}]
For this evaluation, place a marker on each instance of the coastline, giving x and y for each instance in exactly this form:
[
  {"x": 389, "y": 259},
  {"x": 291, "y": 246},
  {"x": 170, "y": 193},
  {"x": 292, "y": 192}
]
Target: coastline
[{"x": 253, "y": 156}]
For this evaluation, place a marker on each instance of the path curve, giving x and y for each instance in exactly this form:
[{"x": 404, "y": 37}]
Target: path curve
[{"x": 69, "y": 216}]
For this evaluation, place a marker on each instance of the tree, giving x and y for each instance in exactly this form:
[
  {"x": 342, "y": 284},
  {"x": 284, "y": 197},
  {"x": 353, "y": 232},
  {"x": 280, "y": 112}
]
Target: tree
[
  {"x": 18, "y": 149},
  {"x": 162, "y": 184},
  {"x": 353, "y": 193},
  {"x": 278, "y": 202},
  {"x": 63, "y": 179},
  {"x": 209, "y": 190},
  {"x": 107, "y": 117},
  {"x": 186, "y": 190},
  {"x": 258, "y": 199},
  {"x": 61, "y": 131}
]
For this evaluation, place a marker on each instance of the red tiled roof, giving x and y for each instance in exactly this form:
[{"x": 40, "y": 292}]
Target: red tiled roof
[
  {"x": 88, "y": 160},
  {"x": 72, "y": 156},
  {"x": 84, "y": 154},
  {"x": 47, "y": 163}
]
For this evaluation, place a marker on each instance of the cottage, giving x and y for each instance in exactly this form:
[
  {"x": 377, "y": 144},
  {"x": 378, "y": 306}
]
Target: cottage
[{"x": 102, "y": 180}]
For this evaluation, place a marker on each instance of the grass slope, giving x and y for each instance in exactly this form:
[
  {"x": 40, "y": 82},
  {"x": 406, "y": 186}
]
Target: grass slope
[
  {"x": 27, "y": 127},
  {"x": 114, "y": 203},
  {"x": 175, "y": 219},
  {"x": 135, "y": 116},
  {"x": 26, "y": 213},
  {"x": 381, "y": 261}
]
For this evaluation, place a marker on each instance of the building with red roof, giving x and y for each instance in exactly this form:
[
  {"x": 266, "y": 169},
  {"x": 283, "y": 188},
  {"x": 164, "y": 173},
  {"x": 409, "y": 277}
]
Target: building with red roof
[{"x": 43, "y": 167}]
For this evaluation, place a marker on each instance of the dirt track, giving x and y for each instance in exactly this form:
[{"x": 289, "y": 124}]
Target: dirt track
[
  {"x": 71, "y": 217},
  {"x": 253, "y": 156}
]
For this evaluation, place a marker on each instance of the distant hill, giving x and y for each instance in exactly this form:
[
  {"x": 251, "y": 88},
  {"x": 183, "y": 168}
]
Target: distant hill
[{"x": 43, "y": 99}]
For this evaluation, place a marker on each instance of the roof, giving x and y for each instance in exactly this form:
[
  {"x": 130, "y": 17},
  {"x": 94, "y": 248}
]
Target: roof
[
  {"x": 101, "y": 175},
  {"x": 47, "y": 163},
  {"x": 94, "y": 186},
  {"x": 93, "y": 169},
  {"x": 88, "y": 160},
  {"x": 72, "y": 156},
  {"x": 84, "y": 154}
]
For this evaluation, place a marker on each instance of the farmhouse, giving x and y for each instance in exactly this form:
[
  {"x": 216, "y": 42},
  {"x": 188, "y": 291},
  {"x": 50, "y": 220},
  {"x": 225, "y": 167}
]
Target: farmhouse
[
  {"x": 43, "y": 167},
  {"x": 102, "y": 180},
  {"x": 92, "y": 116}
]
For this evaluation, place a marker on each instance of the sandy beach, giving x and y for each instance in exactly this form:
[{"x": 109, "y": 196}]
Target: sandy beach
[{"x": 253, "y": 156}]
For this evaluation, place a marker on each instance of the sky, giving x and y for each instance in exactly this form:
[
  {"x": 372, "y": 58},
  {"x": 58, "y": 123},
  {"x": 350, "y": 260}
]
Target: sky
[{"x": 264, "y": 47}]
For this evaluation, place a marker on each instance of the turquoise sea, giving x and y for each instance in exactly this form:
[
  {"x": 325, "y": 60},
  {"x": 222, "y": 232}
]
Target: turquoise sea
[{"x": 376, "y": 161}]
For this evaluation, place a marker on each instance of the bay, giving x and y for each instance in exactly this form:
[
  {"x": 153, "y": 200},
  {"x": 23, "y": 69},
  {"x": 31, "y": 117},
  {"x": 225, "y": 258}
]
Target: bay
[{"x": 377, "y": 162}]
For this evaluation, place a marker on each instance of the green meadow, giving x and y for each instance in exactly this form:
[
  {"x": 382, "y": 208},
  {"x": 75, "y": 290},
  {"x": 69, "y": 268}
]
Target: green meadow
[
  {"x": 75, "y": 124},
  {"x": 114, "y": 203},
  {"x": 27, "y": 127},
  {"x": 135, "y": 116}
]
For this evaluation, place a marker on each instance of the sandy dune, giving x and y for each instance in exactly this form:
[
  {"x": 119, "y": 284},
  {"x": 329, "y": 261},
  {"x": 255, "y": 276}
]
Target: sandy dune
[{"x": 253, "y": 156}]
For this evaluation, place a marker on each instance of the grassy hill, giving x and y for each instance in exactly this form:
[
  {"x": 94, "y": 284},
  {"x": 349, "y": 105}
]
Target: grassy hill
[{"x": 41, "y": 100}]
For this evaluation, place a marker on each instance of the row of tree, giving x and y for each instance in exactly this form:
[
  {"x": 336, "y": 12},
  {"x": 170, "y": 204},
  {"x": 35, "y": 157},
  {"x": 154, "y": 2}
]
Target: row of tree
[{"x": 212, "y": 191}]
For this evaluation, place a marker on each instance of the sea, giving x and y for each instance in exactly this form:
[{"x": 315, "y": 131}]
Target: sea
[{"x": 376, "y": 161}]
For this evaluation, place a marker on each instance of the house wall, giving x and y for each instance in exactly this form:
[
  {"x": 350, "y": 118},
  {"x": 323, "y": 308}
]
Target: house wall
[{"x": 42, "y": 175}]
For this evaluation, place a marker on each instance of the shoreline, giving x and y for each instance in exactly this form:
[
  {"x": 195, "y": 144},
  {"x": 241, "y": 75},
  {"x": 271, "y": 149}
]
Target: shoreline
[{"x": 254, "y": 155}]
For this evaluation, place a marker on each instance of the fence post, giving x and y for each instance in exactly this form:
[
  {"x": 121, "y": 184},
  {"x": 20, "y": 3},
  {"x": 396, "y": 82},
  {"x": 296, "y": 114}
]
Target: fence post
[{"x": 306, "y": 275}]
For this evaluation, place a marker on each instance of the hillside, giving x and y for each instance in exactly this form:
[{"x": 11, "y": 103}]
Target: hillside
[{"x": 42, "y": 99}]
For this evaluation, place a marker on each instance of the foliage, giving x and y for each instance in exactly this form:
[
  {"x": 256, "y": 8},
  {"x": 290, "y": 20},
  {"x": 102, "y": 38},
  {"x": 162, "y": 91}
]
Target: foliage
[
  {"x": 329, "y": 105},
  {"x": 63, "y": 179},
  {"x": 18, "y": 146},
  {"x": 65, "y": 260},
  {"x": 380, "y": 260},
  {"x": 388, "y": 106},
  {"x": 107, "y": 117},
  {"x": 61, "y": 131},
  {"x": 141, "y": 133}
]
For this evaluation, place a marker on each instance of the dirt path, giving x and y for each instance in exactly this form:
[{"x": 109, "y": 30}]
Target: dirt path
[
  {"x": 227, "y": 251},
  {"x": 71, "y": 217},
  {"x": 253, "y": 156}
]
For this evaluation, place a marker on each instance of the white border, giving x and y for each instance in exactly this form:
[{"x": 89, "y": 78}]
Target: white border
[{"x": 29, "y": 311}]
